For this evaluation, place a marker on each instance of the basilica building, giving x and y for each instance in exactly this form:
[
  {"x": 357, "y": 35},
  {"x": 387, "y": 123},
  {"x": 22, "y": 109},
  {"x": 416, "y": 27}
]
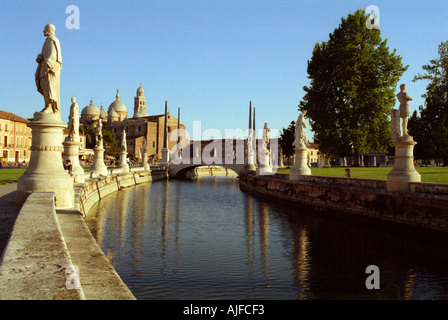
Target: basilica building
[{"x": 141, "y": 125}]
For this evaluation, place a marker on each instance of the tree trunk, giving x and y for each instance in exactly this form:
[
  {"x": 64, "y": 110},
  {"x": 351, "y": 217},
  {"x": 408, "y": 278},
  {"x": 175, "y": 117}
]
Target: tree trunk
[{"x": 355, "y": 158}]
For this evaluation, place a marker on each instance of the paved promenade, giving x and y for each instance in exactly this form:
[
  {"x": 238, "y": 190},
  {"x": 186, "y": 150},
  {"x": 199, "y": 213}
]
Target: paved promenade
[{"x": 8, "y": 212}]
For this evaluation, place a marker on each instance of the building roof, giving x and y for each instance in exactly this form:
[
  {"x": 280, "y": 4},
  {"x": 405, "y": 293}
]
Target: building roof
[{"x": 11, "y": 116}]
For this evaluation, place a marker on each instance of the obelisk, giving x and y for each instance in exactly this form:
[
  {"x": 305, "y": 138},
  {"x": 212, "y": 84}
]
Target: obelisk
[
  {"x": 165, "y": 151},
  {"x": 250, "y": 166}
]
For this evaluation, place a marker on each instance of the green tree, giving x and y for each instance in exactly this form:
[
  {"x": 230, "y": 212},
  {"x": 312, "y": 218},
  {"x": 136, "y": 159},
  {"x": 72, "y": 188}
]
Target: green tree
[
  {"x": 110, "y": 143},
  {"x": 89, "y": 130},
  {"x": 353, "y": 78},
  {"x": 287, "y": 140},
  {"x": 430, "y": 128}
]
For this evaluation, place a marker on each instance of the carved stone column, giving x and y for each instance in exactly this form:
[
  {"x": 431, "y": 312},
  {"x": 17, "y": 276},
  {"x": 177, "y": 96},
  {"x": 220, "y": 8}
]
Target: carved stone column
[
  {"x": 300, "y": 167},
  {"x": 45, "y": 172},
  {"x": 71, "y": 152},
  {"x": 403, "y": 171}
]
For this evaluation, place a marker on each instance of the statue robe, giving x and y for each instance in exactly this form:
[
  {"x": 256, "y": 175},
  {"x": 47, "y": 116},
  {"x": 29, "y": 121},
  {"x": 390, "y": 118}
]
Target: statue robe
[{"x": 49, "y": 70}]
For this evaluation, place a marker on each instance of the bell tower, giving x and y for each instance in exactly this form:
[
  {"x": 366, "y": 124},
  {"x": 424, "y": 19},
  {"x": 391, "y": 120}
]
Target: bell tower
[{"x": 140, "y": 103}]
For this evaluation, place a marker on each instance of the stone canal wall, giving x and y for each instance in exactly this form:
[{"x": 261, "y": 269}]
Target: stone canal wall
[
  {"x": 96, "y": 189},
  {"x": 36, "y": 258},
  {"x": 426, "y": 205},
  {"x": 50, "y": 248}
]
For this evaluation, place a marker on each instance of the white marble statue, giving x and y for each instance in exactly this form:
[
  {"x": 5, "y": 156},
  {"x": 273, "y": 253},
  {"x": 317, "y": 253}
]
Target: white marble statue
[
  {"x": 48, "y": 72},
  {"x": 99, "y": 133},
  {"x": 144, "y": 146},
  {"x": 404, "y": 99},
  {"x": 123, "y": 141},
  {"x": 73, "y": 121},
  {"x": 300, "y": 132},
  {"x": 250, "y": 145},
  {"x": 266, "y": 132},
  {"x": 265, "y": 152}
]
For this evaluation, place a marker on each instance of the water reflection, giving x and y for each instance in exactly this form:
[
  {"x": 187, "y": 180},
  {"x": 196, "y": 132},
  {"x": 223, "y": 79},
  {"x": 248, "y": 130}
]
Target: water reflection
[{"x": 205, "y": 239}]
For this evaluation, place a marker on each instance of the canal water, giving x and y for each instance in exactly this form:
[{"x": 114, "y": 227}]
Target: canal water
[{"x": 206, "y": 239}]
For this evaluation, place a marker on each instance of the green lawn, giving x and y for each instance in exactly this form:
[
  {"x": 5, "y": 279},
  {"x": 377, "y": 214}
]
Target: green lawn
[
  {"x": 428, "y": 174},
  {"x": 10, "y": 175}
]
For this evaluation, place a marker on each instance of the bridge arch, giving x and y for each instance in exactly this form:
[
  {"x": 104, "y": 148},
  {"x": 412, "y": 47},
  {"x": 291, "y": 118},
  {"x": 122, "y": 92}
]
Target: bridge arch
[{"x": 180, "y": 171}]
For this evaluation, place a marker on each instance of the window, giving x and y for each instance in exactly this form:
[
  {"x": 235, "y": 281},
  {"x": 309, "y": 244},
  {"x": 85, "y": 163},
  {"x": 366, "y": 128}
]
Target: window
[
  {"x": 115, "y": 130},
  {"x": 139, "y": 128}
]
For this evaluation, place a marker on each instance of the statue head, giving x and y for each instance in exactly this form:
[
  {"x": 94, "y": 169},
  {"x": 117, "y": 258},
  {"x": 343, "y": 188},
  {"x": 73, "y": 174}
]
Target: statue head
[
  {"x": 73, "y": 99},
  {"x": 402, "y": 87},
  {"x": 49, "y": 29}
]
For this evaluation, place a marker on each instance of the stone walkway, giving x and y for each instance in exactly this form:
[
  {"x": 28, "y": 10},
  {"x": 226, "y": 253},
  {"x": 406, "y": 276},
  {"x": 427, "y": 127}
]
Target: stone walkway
[{"x": 8, "y": 212}]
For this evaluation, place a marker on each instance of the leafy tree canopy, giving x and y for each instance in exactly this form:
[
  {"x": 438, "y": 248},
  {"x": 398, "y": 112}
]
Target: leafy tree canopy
[
  {"x": 287, "y": 140},
  {"x": 430, "y": 128},
  {"x": 353, "y": 78}
]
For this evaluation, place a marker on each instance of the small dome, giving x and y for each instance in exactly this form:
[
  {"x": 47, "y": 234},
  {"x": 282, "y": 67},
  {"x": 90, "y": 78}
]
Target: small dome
[
  {"x": 91, "y": 110},
  {"x": 103, "y": 113},
  {"x": 141, "y": 114},
  {"x": 113, "y": 114},
  {"x": 140, "y": 90},
  {"x": 117, "y": 105}
]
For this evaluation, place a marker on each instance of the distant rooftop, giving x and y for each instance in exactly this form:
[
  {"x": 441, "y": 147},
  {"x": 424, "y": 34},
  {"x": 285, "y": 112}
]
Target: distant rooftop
[{"x": 11, "y": 116}]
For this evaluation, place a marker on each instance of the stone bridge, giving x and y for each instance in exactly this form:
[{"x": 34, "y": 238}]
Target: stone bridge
[{"x": 180, "y": 170}]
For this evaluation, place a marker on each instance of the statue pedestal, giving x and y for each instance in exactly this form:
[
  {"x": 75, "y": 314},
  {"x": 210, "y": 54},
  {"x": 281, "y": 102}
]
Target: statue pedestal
[
  {"x": 98, "y": 167},
  {"x": 165, "y": 157},
  {"x": 123, "y": 164},
  {"x": 264, "y": 168},
  {"x": 250, "y": 164},
  {"x": 145, "y": 163},
  {"x": 300, "y": 167},
  {"x": 71, "y": 152},
  {"x": 403, "y": 171},
  {"x": 45, "y": 172}
]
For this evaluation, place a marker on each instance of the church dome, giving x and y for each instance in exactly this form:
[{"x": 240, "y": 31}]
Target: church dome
[
  {"x": 91, "y": 110},
  {"x": 117, "y": 105}
]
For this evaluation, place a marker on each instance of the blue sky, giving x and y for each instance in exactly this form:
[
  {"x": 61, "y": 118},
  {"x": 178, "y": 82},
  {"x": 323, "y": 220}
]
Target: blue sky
[{"x": 208, "y": 57}]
